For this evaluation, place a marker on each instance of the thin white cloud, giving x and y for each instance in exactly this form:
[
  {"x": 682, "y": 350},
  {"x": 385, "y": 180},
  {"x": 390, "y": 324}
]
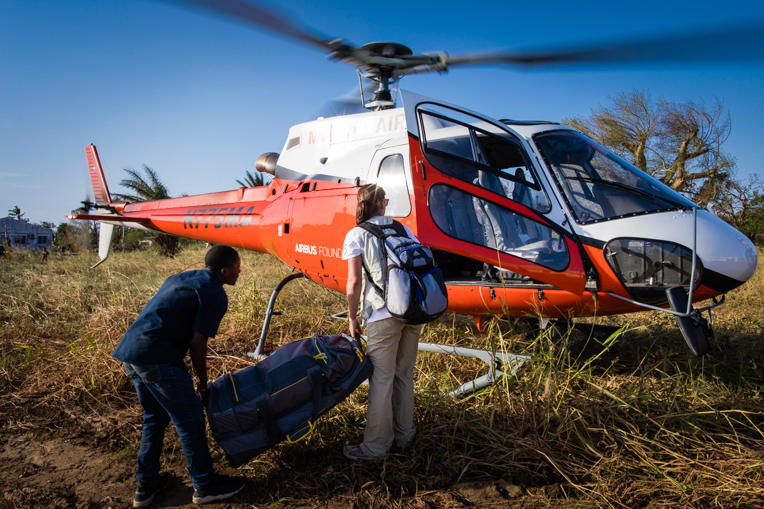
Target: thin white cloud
[{"x": 8, "y": 174}]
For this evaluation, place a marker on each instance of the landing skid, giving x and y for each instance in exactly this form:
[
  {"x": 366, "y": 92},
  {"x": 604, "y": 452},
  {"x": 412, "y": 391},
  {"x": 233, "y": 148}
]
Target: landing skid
[
  {"x": 499, "y": 363},
  {"x": 589, "y": 329}
]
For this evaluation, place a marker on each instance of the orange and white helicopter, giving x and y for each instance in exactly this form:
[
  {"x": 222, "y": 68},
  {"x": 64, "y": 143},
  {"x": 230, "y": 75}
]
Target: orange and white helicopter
[{"x": 523, "y": 217}]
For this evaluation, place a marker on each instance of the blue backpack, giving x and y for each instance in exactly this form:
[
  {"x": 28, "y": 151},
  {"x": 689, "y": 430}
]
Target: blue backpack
[{"x": 281, "y": 397}]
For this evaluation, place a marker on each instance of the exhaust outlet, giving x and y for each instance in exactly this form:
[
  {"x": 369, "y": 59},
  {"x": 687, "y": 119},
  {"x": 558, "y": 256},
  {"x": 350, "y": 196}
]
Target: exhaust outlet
[{"x": 266, "y": 163}]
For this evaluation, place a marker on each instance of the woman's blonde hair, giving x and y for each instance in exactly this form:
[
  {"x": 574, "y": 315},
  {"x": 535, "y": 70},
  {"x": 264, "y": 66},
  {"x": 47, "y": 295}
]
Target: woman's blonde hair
[{"x": 369, "y": 198}]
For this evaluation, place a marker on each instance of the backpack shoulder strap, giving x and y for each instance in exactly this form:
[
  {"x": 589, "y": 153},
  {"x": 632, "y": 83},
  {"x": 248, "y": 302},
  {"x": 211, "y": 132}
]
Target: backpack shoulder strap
[
  {"x": 372, "y": 228},
  {"x": 400, "y": 230},
  {"x": 377, "y": 232}
]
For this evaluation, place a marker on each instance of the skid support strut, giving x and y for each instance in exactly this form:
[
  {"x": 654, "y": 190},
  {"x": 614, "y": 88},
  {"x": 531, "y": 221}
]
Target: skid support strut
[
  {"x": 499, "y": 364},
  {"x": 258, "y": 353}
]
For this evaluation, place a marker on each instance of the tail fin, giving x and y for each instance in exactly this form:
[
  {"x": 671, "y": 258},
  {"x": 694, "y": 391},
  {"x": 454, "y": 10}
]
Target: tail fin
[
  {"x": 102, "y": 199},
  {"x": 97, "y": 178}
]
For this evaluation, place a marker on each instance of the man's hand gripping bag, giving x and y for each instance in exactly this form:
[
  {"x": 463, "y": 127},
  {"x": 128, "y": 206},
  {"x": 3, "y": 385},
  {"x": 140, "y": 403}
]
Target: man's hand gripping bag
[{"x": 281, "y": 397}]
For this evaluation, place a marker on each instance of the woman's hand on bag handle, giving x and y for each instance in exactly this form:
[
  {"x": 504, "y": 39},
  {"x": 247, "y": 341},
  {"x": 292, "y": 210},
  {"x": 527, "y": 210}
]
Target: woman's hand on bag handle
[
  {"x": 355, "y": 328},
  {"x": 354, "y": 295}
]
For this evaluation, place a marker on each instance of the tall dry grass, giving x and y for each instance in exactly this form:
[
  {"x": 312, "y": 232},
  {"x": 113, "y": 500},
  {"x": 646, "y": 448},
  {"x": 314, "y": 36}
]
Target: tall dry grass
[{"x": 631, "y": 420}]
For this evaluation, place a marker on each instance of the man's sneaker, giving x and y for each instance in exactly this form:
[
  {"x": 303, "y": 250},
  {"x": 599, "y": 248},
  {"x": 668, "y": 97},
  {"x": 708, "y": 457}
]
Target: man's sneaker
[
  {"x": 221, "y": 488},
  {"x": 355, "y": 453},
  {"x": 145, "y": 496}
]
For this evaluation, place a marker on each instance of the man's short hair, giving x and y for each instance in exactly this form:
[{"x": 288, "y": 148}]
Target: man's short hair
[{"x": 220, "y": 257}]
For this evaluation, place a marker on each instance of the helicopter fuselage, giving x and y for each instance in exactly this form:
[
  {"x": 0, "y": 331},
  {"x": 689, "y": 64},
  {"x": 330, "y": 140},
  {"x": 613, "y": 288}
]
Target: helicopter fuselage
[{"x": 523, "y": 217}]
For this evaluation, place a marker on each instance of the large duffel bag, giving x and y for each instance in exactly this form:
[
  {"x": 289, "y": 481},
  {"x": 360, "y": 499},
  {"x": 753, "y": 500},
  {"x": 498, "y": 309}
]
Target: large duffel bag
[{"x": 252, "y": 409}]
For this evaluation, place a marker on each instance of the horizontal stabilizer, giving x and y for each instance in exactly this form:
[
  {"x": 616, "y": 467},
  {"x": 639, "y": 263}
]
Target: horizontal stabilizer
[{"x": 115, "y": 219}]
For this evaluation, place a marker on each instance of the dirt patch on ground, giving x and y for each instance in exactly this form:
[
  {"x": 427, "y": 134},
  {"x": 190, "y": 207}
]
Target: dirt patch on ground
[
  {"x": 40, "y": 471},
  {"x": 69, "y": 467}
]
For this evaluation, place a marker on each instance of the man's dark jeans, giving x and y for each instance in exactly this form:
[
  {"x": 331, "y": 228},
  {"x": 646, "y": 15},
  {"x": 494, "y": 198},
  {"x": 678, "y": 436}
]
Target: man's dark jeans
[{"x": 167, "y": 393}]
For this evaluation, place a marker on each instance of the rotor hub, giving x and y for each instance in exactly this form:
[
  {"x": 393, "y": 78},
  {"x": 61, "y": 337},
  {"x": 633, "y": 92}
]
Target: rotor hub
[{"x": 387, "y": 49}]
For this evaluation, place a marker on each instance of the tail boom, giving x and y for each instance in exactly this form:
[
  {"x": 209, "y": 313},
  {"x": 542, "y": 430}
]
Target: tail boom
[{"x": 249, "y": 218}]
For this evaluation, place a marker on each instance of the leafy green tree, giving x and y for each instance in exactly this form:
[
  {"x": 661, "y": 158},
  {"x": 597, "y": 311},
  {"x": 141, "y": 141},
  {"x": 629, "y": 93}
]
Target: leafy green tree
[
  {"x": 149, "y": 188},
  {"x": 134, "y": 238},
  {"x": 46, "y": 224},
  {"x": 82, "y": 235},
  {"x": 16, "y": 214},
  {"x": 253, "y": 180},
  {"x": 742, "y": 205},
  {"x": 76, "y": 236},
  {"x": 62, "y": 237}
]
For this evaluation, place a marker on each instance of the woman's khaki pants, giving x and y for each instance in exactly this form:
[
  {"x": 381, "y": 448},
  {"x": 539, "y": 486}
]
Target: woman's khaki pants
[{"x": 392, "y": 347}]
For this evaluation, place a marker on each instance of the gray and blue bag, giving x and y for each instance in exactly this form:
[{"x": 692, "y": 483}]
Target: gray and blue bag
[
  {"x": 413, "y": 286},
  {"x": 281, "y": 397}
]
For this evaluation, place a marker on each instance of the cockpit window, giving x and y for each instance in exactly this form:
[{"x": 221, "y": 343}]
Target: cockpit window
[
  {"x": 599, "y": 185},
  {"x": 481, "y": 222},
  {"x": 478, "y": 152}
]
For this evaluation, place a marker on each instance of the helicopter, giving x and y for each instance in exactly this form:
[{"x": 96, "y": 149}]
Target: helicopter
[{"x": 523, "y": 217}]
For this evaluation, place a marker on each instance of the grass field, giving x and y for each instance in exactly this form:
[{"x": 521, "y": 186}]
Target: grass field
[{"x": 633, "y": 420}]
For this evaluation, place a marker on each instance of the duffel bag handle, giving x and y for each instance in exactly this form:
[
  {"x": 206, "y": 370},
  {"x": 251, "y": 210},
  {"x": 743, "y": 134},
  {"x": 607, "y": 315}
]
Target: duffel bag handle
[{"x": 301, "y": 432}]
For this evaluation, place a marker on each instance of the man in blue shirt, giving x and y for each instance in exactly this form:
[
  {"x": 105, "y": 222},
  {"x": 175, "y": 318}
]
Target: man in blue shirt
[{"x": 183, "y": 314}]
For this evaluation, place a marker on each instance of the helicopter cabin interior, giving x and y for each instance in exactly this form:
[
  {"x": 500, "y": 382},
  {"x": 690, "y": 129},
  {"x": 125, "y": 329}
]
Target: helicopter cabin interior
[{"x": 478, "y": 154}]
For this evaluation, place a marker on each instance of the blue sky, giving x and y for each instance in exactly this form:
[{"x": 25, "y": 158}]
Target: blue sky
[{"x": 199, "y": 97}]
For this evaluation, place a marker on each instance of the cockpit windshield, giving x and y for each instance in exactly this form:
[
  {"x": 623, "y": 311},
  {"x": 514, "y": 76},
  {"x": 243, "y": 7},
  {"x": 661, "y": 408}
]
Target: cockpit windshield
[{"x": 599, "y": 185}]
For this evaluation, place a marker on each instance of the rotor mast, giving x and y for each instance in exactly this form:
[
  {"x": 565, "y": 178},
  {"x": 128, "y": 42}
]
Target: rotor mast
[{"x": 384, "y": 74}]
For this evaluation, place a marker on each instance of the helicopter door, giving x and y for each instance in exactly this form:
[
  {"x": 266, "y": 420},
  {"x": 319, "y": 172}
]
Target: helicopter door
[
  {"x": 321, "y": 213},
  {"x": 478, "y": 195}
]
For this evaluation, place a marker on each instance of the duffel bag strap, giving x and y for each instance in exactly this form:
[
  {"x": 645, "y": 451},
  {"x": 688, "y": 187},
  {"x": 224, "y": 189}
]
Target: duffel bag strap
[
  {"x": 271, "y": 427},
  {"x": 318, "y": 390},
  {"x": 307, "y": 428}
]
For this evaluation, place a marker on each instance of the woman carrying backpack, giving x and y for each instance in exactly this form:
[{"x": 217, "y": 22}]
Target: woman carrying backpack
[{"x": 391, "y": 344}]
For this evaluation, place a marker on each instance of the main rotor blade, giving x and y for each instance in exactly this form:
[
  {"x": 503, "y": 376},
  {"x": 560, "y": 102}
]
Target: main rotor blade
[
  {"x": 254, "y": 14},
  {"x": 734, "y": 44}
]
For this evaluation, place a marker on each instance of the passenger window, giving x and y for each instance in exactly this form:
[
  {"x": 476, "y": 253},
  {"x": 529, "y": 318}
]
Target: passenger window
[
  {"x": 480, "y": 153},
  {"x": 392, "y": 178},
  {"x": 473, "y": 219}
]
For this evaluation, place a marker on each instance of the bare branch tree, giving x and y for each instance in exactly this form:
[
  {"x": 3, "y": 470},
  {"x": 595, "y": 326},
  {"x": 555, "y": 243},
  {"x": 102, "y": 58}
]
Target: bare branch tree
[{"x": 679, "y": 143}]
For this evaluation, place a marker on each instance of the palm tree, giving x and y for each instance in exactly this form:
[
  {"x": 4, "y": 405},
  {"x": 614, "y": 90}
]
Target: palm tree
[
  {"x": 16, "y": 213},
  {"x": 149, "y": 188},
  {"x": 252, "y": 180},
  {"x": 145, "y": 189}
]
